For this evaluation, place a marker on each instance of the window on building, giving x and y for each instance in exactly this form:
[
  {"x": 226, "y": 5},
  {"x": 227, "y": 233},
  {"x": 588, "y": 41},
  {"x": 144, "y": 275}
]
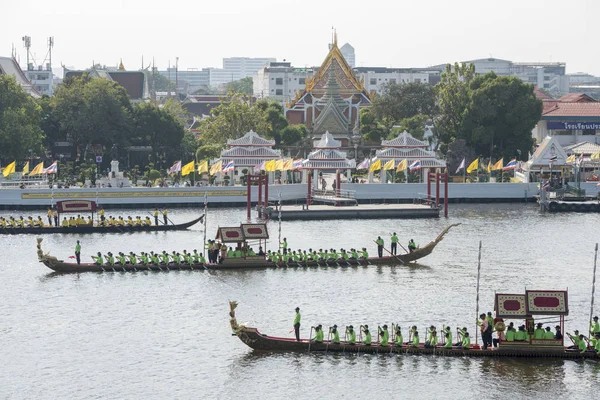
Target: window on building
[
  {"x": 279, "y": 81},
  {"x": 373, "y": 81},
  {"x": 302, "y": 81},
  {"x": 546, "y": 78},
  {"x": 392, "y": 80},
  {"x": 279, "y": 92}
]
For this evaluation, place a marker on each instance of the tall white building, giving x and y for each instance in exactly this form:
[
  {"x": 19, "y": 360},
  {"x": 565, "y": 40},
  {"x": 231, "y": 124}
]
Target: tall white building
[
  {"x": 348, "y": 52},
  {"x": 375, "y": 78},
  {"x": 41, "y": 79},
  {"x": 243, "y": 67},
  {"x": 280, "y": 81}
]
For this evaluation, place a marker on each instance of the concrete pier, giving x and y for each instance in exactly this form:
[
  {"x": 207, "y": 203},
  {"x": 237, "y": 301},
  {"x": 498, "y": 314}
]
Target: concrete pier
[{"x": 362, "y": 211}]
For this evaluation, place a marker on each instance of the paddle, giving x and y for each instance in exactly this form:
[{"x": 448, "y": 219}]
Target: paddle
[{"x": 396, "y": 257}]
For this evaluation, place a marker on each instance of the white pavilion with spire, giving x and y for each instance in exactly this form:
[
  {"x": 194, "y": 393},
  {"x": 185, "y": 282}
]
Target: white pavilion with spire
[
  {"x": 247, "y": 152},
  {"x": 327, "y": 156},
  {"x": 405, "y": 146}
]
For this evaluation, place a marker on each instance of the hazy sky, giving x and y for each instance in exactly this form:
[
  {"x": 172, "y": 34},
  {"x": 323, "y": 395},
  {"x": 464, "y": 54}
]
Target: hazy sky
[{"x": 392, "y": 33}]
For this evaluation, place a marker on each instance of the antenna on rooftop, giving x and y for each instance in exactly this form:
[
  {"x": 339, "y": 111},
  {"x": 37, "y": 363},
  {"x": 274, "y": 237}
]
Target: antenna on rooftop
[{"x": 27, "y": 44}]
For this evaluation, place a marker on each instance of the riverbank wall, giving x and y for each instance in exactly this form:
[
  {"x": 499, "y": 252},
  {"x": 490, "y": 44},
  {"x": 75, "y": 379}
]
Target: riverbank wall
[{"x": 235, "y": 196}]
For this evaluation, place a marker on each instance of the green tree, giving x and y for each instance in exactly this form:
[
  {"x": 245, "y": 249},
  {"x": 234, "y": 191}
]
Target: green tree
[
  {"x": 273, "y": 114},
  {"x": 453, "y": 100},
  {"x": 402, "y": 101},
  {"x": 157, "y": 128},
  {"x": 49, "y": 123},
  {"x": 415, "y": 125},
  {"x": 232, "y": 119},
  {"x": 293, "y": 134},
  {"x": 369, "y": 128},
  {"x": 93, "y": 112},
  {"x": 19, "y": 122},
  {"x": 242, "y": 86},
  {"x": 207, "y": 152},
  {"x": 501, "y": 114}
]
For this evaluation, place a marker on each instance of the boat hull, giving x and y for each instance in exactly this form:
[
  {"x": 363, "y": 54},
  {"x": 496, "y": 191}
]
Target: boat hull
[
  {"x": 99, "y": 229},
  {"x": 257, "y": 341}
]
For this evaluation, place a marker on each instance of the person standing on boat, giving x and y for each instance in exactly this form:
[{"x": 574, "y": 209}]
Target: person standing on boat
[
  {"x": 78, "y": 252},
  {"x": 486, "y": 332},
  {"x": 50, "y": 216},
  {"x": 55, "y": 216},
  {"x": 380, "y": 244},
  {"x": 297, "y": 324},
  {"x": 165, "y": 212},
  {"x": 394, "y": 240},
  {"x": 155, "y": 215},
  {"x": 558, "y": 335},
  {"x": 101, "y": 213},
  {"x": 284, "y": 246}
]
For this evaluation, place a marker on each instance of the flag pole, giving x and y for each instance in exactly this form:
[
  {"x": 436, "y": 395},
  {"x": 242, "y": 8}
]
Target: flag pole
[
  {"x": 205, "y": 218},
  {"x": 477, "y": 299},
  {"x": 593, "y": 289},
  {"x": 279, "y": 216}
]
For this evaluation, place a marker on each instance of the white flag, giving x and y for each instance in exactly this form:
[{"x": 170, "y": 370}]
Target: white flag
[{"x": 461, "y": 166}]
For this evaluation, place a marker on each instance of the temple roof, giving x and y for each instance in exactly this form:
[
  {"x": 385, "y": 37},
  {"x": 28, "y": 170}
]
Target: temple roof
[
  {"x": 250, "y": 139},
  {"x": 548, "y": 148},
  {"x": 586, "y": 148},
  {"x": 405, "y": 139},
  {"x": 328, "y": 142},
  {"x": 328, "y": 159},
  {"x": 335, "y": 64},
  {"x": 400, "y": 153},
  {"x": 244, "y": 152},
  {"x": 331, "y": 107}
]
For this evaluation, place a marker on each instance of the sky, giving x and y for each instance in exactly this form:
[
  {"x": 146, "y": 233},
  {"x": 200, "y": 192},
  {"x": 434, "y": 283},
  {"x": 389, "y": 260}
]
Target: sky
[{"x": 394, "y": 33}]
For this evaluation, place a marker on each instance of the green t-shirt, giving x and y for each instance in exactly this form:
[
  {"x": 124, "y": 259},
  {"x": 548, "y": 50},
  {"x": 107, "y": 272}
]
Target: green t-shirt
[
  {"x": 394, "y": 239},
  {"x": 297, "y": 319}
]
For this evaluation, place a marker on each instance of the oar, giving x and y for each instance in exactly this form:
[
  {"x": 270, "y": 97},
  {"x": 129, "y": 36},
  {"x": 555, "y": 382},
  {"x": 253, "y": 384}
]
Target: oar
[
  {"x": 168, "y": 219},
  {"x": 396, "y": 257}
]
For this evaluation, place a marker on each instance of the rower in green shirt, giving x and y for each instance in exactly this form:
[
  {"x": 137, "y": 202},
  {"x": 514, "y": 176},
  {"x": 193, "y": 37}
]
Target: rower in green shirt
[
  {"x": 364, "y": 254},
  {"x": 539, "y": 332},
  {"x": 164, "y": 257},
  {"x": 521, "y": 335},
  {"x": 466, "y": 342},
  {"x": 318, "y": 334},
  {"x": 367, "y": 340},
  {"x": 98, "y": 260},
  {"x": 415, "y": 339},
  {"x": 448, "y": 336},
  {"x": 548, "y": 333},
  {"x": 110, "y": 259},
  {"x": 351, "y": 334},
  {"x": 510, "y": 333},
  {"x": 175, "y": 257},
  {"x": 399, "y": 339},
  {"x": 132, "y": 258},
  {"x": 336, "y": 334},
  {"x": 230, "y": 253},
  {"x": 384, "y": 336},
  {"x": 121, "y": 258}
]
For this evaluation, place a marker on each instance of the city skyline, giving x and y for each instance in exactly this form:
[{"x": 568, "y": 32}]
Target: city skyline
[{"x": 442, "y": 33}]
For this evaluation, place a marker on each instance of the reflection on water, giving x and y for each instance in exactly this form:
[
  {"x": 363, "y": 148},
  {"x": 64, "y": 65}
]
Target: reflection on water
[{"x": 166, "y": 335}]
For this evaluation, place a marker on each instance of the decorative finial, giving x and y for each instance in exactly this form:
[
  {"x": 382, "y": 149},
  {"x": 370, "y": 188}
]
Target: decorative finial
[
  {"x": 334, "y": 37},
  {"x": 121, "y": 66}
]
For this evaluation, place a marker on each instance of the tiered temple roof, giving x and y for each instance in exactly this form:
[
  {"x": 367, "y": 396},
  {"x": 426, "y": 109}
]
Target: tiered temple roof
[
  {"x": 249, "y": 150},
  {"x": 327, "y": 155},
  {"x": 405, "y": 146}
]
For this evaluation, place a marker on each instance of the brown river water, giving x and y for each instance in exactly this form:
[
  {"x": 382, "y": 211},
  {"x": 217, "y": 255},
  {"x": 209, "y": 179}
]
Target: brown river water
[{"x": 166, "y": 335}]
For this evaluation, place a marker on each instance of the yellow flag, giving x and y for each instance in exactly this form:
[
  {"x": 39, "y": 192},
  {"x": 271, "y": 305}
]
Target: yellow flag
[
  {"x": 474, "y": 166},
  {"x": 203, "y": 167},
  {"x": 38, "y": 169},
  {"x": 595, "y": 156},
  {"x": 26, "y": 168},
  {"x": 287, "y": 165},
  {"x": 270, "y": 166},
  {"x": 499, "y": 165},
  {"x": 9, "y": 169},
  {"x": 489, "y": 167},
  {"x": 389, "y": 165},
  {"x": 571, "y": 159},
  {"x": 187, "y": 168},
  {"x": 216, "y": 168},
  {"x": 402, "y": 165},
  {"x": 376, "y": 166},
  {"x": 279, "y": 165}
]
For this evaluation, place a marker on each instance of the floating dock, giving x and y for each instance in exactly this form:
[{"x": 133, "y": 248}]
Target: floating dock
[{"x": 361, "y": 211}]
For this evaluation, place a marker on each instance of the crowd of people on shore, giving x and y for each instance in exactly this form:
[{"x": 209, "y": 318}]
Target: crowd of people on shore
[{"x": 444, "y": 339}]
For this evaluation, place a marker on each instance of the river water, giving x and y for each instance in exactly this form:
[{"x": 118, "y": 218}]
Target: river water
[{"x": 167, "y": 336}]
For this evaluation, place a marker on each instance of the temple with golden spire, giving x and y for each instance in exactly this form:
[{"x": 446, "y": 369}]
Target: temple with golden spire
[{"x": 331, "y": 100}]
